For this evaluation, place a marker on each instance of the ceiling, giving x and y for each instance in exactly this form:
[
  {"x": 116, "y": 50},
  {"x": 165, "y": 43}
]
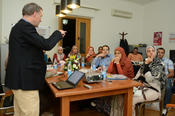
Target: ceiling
[{"x": 141, "y": 2}]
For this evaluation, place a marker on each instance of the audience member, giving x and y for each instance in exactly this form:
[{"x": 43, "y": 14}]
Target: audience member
[
  {"x": 135, "y": 56},
  {"x": 90, "y": 55},
  {"x": 75, "y": 51},
  {"x": 103, "y": 58},
  {"x": 169, "y": 71},
  {"x": 100, "y": 50},
  {"x": 152, "y": 75},
  {"x": 60, "y": 56},
  {"x": 121, "y": 64}
]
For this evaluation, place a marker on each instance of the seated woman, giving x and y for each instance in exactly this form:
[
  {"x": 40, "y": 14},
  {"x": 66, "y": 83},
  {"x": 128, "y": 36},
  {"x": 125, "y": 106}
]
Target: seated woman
[
  {"x": 121, "y": 64},
  {"x": 75, "y": 51},
  {"x": 100, "y": 50},
  {"x": 60, "y": 56},
  {"x": 152, "y": 75},
  {"x": 90, "y": 55},
  {"x": 152, "y": 72}
]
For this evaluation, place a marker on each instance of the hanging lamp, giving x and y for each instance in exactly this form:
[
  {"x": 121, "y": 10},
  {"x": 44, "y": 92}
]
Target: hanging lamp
[
  {"x": 58, "y": 11},
  {"x": 64, "y": 7},
  {"x": 73, "y": 4}
]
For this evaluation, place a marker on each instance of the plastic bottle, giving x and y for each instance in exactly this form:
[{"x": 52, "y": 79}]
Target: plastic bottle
[
  {"x": 69, "y": 69},
  {"x": 82, "y": 62},
  {"x": 103, "y": 71},
  {"x": 93, "y": 66},
  {"x": 55, "y": 65}
]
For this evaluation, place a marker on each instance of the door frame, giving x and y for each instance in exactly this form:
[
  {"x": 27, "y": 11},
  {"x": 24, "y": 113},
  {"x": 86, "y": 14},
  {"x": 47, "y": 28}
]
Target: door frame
[{"x": 77, "y": 35}]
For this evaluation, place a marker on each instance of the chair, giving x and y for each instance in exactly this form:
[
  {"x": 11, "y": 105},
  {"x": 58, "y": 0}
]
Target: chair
[
  {"x": 6, "y": 102},
  {"x": 168, "y": 107},
  {"x": 140, "y": 107},
  {"x": 171, "y": 105}
]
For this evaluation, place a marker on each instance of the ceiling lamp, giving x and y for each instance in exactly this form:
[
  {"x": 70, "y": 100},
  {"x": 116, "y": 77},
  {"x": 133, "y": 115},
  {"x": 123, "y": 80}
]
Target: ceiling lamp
[
  {"x": 64, "y": 7},
  {"x": 73, "y": 4},
  {"x": 58, "y": 12}
]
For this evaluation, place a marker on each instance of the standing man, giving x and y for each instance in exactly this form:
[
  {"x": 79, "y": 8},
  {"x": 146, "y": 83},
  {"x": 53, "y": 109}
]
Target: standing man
[
  {"x": 26, "y": 67},
  {"x": 169, "y": 70}
]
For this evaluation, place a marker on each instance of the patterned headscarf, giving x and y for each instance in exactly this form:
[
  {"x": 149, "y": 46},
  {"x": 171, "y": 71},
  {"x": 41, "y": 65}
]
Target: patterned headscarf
[{"x": 153, "y": 47}]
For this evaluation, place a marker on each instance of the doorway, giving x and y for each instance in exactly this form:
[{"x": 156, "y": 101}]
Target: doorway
[{"x": 78, "y": 33}]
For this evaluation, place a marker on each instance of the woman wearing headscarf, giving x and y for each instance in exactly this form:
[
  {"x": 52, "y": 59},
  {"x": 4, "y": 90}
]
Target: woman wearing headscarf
[
  {"x": 59, "y": 56},
  {"x": 153, "y": 77},
  {"x": 121, "y": 64},
  {"x": 75, "y": 52},
  {"x": 90, "y": 55}
]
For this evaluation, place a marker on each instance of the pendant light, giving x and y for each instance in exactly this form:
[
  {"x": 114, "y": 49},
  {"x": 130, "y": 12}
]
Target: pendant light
[
  {"x": 73, "y": 4},
  {"x": 64, "y": 7},
  {"x": 58, "y": 11}
]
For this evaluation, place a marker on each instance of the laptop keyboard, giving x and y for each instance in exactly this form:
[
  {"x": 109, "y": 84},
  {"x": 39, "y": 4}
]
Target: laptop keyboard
[{"x": 63, "y": 84}]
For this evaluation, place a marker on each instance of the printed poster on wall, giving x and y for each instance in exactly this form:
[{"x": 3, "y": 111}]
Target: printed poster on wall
[
  {"x": 157, "y": 41},
  {"x": 172, "y": 37}
]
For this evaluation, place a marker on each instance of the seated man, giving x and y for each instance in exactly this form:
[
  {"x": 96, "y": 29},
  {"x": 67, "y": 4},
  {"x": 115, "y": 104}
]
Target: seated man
[
  {"x": 135, "y": 56},
  {"x": 103, "y": 58},
  {"x": 169, "y": 70}
]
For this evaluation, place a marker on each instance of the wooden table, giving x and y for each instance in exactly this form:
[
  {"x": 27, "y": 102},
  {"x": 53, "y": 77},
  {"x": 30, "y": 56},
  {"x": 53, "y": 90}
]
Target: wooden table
[{"x": 99, "y": 90}]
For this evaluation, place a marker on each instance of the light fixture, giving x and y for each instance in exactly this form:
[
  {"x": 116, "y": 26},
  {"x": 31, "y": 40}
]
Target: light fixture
[
  {"x": 64, "y": 7},
  {"x": 58, "y": 12},
  {"x": 73, "y": 4},
  {"x": 65, "y": 21}
]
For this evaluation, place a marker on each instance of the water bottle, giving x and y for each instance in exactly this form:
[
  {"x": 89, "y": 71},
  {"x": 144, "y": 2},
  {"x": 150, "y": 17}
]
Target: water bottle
[
  {"x": 55, "y": 64},
  {"x": 69, "y": 69},
  {"x": 93, "y": 66},
  {"x": 103, "y": 71},
  {"x": 82, "y": 62}
]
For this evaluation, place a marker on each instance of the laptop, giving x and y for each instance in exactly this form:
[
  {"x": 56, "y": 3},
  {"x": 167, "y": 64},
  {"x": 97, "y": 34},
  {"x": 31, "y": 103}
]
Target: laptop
[{"x": 71, "y": 82}]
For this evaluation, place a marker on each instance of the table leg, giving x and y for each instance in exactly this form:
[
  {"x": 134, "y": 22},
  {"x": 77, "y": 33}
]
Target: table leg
[
  {"x": 65, "y": 106},
  {"x": 128, "y": 102}
]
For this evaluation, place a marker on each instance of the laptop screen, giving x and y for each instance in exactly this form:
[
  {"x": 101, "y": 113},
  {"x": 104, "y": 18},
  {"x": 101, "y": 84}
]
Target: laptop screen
[{"x": 75, "y": 77}]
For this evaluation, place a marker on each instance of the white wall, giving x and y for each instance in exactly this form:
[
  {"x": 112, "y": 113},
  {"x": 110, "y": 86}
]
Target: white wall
[
  {"x": 0, "y": 19},
  {"x": 104, "y": 27},
  {"x": 12, "y": 12},
  {"x": 159, "y": 16}
]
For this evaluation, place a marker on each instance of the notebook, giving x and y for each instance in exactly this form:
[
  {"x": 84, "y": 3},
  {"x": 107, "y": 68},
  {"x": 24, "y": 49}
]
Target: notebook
[
  {"x": 71, "y": 82},
  {"x": 116, "y": 77}
]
